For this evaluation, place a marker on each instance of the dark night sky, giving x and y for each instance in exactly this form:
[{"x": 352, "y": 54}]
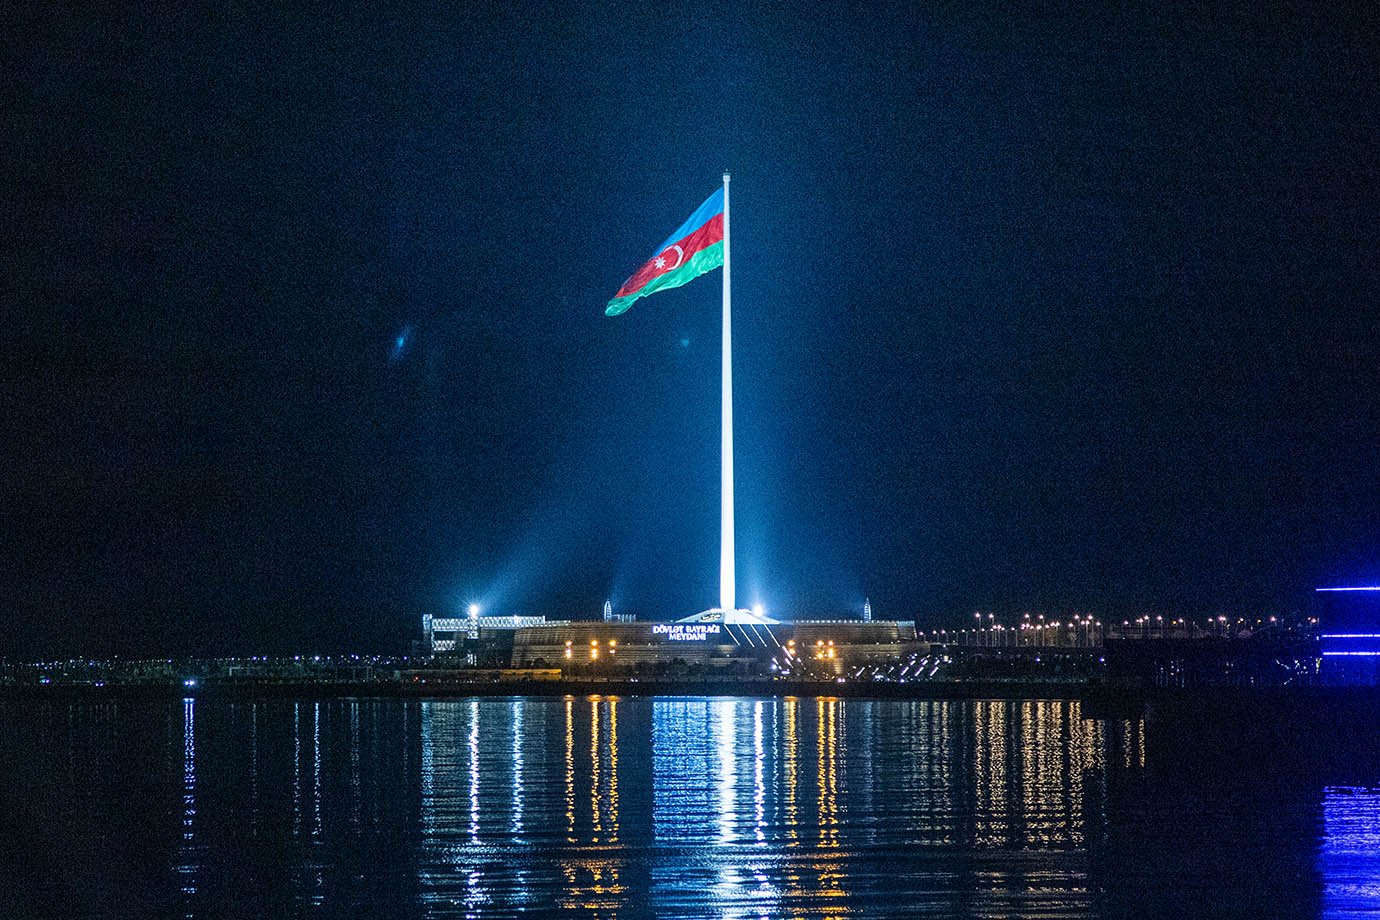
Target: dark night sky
[{"x": 1032, "y": 312}]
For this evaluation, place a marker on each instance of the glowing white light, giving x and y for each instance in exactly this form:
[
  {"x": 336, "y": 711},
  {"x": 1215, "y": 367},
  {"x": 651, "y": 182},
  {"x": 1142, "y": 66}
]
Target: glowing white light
[
  {"x": 758, "y": 609},
  {"x": 473, "y": 610},
  {"x": 727, "y": 577}
]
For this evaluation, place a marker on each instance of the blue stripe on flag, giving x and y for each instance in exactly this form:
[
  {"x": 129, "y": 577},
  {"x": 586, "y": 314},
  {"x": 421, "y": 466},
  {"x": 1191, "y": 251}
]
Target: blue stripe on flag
[{"x": 714, "y": 204}]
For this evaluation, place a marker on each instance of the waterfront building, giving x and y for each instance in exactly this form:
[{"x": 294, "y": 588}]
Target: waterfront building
[
  {"x": 474, "y": 636},
  {"x": 750, "y": 642}
]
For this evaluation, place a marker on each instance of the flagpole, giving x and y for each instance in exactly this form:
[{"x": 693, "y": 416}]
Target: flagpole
[{"x": 727, "y": 576}]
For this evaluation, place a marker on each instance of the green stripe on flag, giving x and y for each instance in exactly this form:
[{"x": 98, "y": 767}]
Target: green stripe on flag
[{"x": 706, "y": 260}]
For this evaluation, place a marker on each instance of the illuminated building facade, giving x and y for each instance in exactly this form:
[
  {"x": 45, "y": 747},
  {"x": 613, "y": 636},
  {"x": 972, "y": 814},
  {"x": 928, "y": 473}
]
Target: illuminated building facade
[
  {"x": 828, "y": 646},
  {"x": 1350, "y": 636},
  {"x": 818, "y": 646},
  {"x": 472, "y": 634}
]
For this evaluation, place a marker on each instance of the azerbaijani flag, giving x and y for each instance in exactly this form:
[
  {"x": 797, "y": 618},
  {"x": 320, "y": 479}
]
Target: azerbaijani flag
[{"x": 695, "y": 248}]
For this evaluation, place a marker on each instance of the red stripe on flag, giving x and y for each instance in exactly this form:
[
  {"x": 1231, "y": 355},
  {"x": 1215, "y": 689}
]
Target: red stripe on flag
[{"x": 706, "y": 236}]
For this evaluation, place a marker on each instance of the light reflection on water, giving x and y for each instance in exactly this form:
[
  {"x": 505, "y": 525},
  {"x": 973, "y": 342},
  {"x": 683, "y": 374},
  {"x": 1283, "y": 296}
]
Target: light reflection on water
[
  {"x": 749, "y": 807},
  {"x": 1350, "y": 853},
  {"x": 632, "y": 807},
  {"x": 186, "y": 850}
]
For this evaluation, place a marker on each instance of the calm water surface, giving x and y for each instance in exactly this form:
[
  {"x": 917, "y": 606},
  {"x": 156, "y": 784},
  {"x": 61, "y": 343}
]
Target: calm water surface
[{"x": 639, "y": 808}]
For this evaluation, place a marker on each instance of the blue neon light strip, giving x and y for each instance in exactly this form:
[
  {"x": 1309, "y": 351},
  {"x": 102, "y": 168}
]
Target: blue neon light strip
[
  {"x": 1362, "y": 654},
  {"x": 1352, "y": 636},
  {"x": 1371, "y": 588}
]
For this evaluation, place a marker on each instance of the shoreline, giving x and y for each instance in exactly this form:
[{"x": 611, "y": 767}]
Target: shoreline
[
  {"x": 1334, "y": 707},
  {"x": 235, "y": 691}
]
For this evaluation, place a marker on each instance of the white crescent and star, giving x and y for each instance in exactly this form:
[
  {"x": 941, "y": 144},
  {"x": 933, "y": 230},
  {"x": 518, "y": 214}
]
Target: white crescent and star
[{"x": 661, "y": 259}]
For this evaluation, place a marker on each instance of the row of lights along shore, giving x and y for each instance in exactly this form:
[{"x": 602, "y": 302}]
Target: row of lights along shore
[
  {"x": 1087, "y": 630},
  {"x": 1075, "y": 631}
]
